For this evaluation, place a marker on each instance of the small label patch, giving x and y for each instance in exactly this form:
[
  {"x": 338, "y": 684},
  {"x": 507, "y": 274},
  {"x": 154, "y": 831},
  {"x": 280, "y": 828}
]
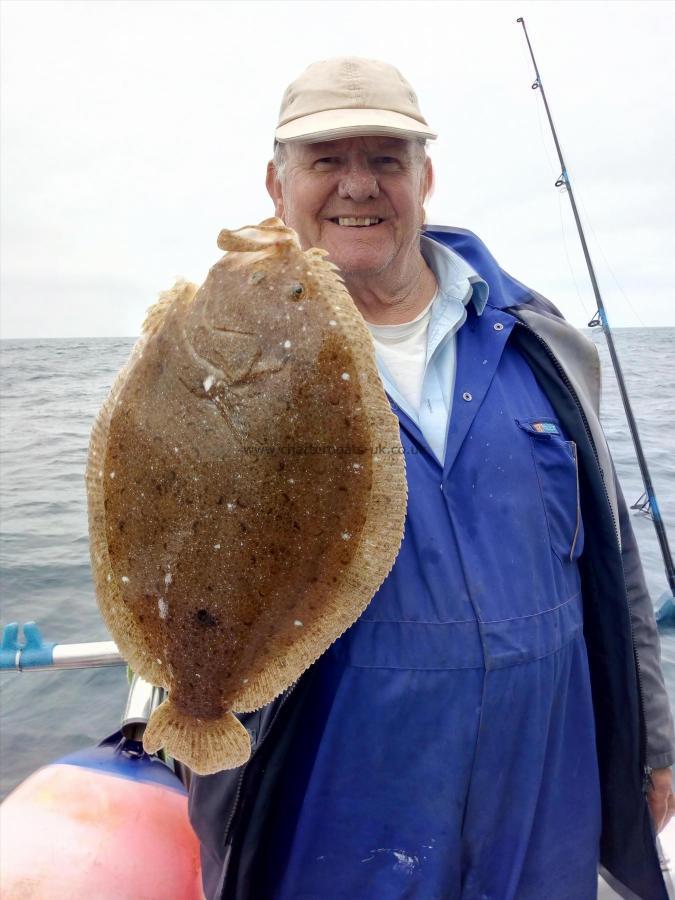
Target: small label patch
[{"x": 545, "y": 427}]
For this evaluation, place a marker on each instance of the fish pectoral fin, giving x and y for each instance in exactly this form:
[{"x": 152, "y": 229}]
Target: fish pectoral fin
[
  {"x": 205, "y": 745},
  {"x": 242, "y": 358},
  {"x": 258, "y": 368},
  {"x": 270, "y": 233},
  {"x": 224, "y": 329}
]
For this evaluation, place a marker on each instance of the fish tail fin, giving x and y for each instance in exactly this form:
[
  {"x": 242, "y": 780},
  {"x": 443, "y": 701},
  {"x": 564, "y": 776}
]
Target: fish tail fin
[{"x": 204, "y": 745}]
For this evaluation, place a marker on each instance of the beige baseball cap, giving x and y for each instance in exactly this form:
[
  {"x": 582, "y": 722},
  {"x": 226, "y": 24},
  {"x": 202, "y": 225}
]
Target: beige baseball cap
[{"x": 349, "y": 96}]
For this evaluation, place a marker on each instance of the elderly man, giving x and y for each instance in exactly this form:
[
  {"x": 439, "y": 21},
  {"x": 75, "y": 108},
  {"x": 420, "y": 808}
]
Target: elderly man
[{"x": 495, "y": 725}]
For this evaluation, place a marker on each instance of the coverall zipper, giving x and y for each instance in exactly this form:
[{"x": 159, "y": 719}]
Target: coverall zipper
[{"x": 240, "y": 781}]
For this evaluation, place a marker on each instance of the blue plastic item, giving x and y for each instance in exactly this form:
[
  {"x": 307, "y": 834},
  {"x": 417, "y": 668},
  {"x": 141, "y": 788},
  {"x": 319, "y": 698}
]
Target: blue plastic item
[
  {"x": 34, "y": 651},
  {"x": 665, "y": 614},
  {"x": 125, "y": 758},
  {"x": 9, "y": 646}
]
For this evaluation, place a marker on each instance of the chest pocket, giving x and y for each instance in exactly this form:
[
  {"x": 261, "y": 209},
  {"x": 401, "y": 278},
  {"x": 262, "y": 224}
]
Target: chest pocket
[{"x": 556, "y": 464}]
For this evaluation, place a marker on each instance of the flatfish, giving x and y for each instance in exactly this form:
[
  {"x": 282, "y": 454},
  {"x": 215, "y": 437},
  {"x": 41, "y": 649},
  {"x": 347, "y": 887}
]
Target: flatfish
[{"x": 246, "y": 489}]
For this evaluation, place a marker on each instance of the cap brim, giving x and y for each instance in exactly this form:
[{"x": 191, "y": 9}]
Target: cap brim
[{"x": 333, "y": 124}]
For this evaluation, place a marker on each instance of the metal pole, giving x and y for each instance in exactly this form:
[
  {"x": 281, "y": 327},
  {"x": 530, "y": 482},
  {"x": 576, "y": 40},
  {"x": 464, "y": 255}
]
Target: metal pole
[
  {"x": 97, "y": 654},
  {"x": 602, "y": 317},
  {"x": 45, "y": 657}
]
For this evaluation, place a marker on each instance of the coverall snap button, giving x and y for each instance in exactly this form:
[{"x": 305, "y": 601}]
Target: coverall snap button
[
  {"x": 467, "y": 396},
  {"x": 498, "y": 326}
]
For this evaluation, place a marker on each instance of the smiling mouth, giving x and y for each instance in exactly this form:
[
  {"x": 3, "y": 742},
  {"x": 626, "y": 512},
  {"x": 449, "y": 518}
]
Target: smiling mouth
[{"x": 363, "y": 222}]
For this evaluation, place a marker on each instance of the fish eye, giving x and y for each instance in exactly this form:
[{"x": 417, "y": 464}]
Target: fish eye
[{"x": 297, "y": 291}]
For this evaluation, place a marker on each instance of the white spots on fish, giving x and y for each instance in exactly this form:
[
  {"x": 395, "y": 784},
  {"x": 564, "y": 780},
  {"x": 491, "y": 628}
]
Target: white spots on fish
[
  {"x": 216, "y": 546},
  {"x": 356, "y": 466},
  {"x": 298, "y": 623},
  {"x": 163, "y": 608},
  {"x": 291, "y": 480},
  {"x": 244, "y": 680},
  {"x": 485, "y": 362},
  {"x": 112, "y": 474},
  {"x": 405, "y": 862},
  {"x": 345, "y": 376},
  {"x": 100, "y": 473},
  {"x": 332, "y": 323},
  {"x": 197, "y": 675},
  {"x": 345, "y": 535},
  {"x": 231, "y": 506},
  {"x": 287, "y": 345},
  {"x": 209, "y": 381},
  {"x": 109, "y": 578},
  {"x": 175, "y": 449},
  {"x": 125, "y": 580},
  {"x": 168, "y": 578},
  {"x": 158, "y": 661}
]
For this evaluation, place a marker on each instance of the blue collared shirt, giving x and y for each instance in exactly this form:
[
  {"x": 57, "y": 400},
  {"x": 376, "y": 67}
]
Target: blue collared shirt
[{"x": 458, "y": 284}]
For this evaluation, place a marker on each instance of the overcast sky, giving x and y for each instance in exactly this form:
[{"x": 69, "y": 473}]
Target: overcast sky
[{"x": 132, "y": 132}]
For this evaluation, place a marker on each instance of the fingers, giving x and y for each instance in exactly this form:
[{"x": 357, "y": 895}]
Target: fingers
[
  {"x": 670, "y": 811},
  {"x": 662, "y": 807}
]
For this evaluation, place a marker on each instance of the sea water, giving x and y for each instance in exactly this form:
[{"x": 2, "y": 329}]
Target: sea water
[{"x": 50, "y": 392}]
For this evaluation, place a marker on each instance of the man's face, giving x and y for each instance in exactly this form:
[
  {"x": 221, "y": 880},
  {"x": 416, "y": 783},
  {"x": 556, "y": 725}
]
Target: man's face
[{"x": 328, "y": 191}]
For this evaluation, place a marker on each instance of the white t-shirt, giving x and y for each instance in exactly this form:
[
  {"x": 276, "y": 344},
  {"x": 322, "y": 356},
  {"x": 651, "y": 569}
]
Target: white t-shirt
[{"x": 403, "y": 349}]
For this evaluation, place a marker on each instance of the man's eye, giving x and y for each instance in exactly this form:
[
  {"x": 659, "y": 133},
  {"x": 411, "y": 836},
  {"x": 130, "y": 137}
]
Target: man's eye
[
  {"x": 326, "y": 162},
  {"x": 387, "y": 161}
]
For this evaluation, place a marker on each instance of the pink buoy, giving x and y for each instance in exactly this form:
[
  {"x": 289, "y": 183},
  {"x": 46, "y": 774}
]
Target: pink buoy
[{"x": 102, "y": 823}]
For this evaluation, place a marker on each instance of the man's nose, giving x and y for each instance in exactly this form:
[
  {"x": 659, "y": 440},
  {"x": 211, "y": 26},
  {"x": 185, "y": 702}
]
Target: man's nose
[{"x": 358, "y": 183}]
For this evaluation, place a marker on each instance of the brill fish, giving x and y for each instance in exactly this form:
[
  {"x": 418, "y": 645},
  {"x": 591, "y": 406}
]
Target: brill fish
[{"x": 246, "y": 489}]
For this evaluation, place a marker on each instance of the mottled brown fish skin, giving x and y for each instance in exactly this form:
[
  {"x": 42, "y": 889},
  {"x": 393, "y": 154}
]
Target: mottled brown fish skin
[
  {"x": 236, "y": 473},
  {"x": 217, "y": 492}
]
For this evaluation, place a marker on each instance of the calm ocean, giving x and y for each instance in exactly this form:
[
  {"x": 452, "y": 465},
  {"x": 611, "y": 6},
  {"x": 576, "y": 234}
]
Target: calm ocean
[{"x": 50, "y": 392}]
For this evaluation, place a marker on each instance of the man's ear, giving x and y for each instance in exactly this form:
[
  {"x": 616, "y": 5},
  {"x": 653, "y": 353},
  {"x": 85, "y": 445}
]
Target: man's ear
[
  {"x": 428, "y": 180},
  {"x": 273, "y": 185}
]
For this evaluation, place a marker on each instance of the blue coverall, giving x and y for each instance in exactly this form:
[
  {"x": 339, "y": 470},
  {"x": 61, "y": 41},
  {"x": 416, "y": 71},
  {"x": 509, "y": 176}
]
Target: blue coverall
[{"x": 447, "y": 749}]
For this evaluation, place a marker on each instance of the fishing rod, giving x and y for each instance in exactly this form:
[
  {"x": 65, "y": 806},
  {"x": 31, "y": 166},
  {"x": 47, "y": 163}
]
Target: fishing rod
[{"x": 650, "y": 504}]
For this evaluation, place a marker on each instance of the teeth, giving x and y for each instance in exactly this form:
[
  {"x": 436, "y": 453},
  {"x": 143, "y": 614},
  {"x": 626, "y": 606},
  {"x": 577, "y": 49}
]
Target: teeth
[{"x": 358, "y": 222}]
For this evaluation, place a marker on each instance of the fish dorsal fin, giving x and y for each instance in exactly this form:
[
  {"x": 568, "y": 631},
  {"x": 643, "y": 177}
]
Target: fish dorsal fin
[{"x": 182, "y": 290}]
